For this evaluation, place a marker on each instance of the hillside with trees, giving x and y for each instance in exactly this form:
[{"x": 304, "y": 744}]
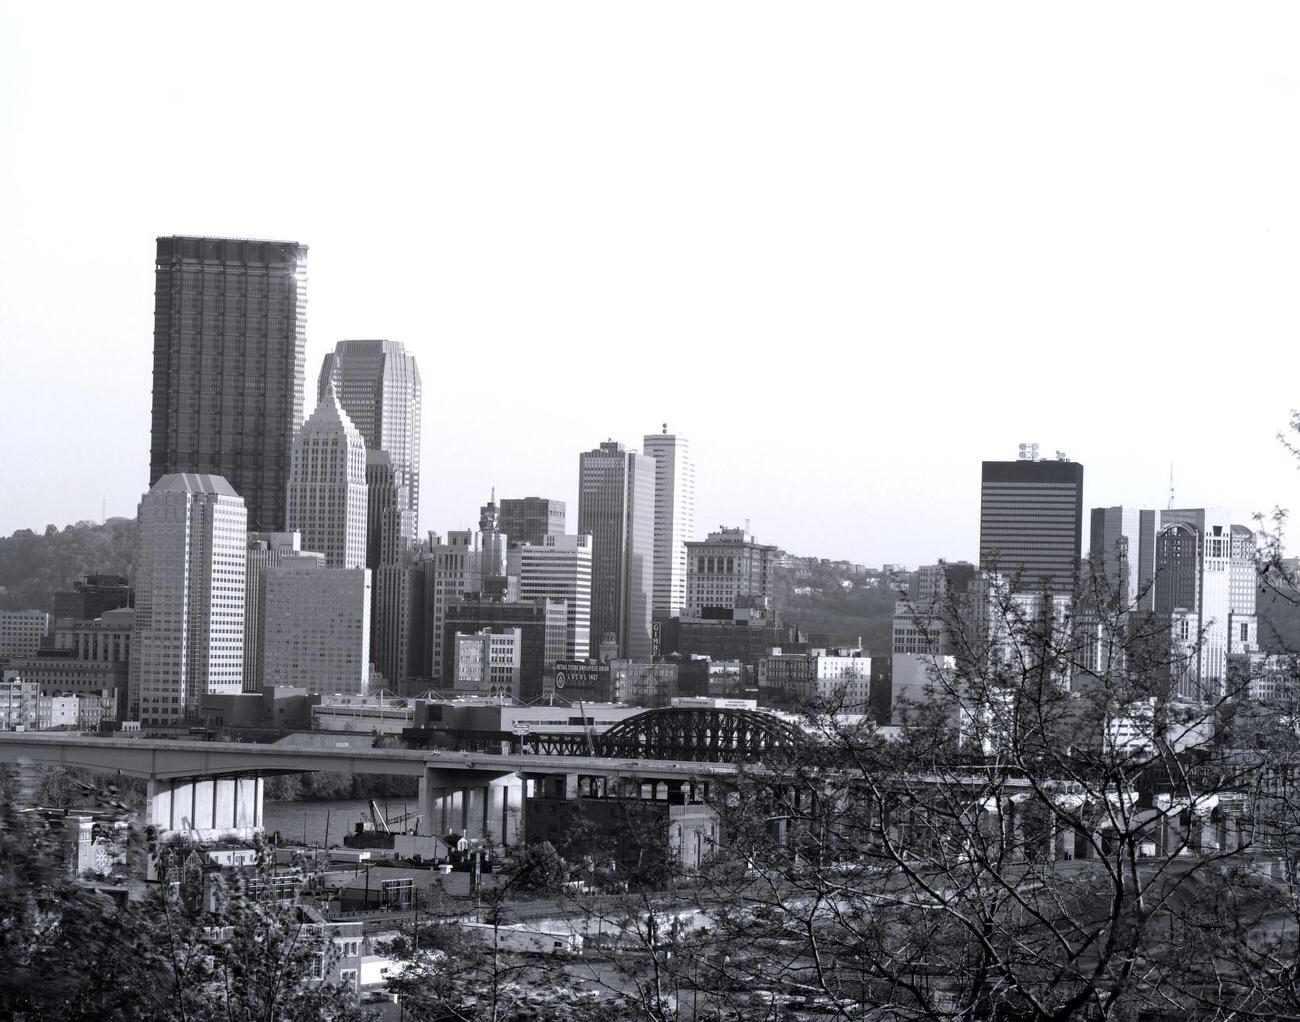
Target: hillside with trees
[
  {"x": 826, "y": 600},
  {"x": 33, "y": 565}
]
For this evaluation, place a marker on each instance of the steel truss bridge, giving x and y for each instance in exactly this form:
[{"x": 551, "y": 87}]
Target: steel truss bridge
[{"x": 691, "y": 735}]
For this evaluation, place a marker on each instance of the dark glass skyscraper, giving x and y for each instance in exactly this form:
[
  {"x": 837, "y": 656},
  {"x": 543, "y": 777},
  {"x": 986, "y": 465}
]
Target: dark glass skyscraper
[
  {"x": 1031, "y": 523},
  {"x": 531, "y": 519},
  {"x": 229, "y": 352}
]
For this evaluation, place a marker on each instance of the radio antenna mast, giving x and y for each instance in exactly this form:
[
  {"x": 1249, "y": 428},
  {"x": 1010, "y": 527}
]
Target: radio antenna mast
[{"x": 1171, "y": 486}]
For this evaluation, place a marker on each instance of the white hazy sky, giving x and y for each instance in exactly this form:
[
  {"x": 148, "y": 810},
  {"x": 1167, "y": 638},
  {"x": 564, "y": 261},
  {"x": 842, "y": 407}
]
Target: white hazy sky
[{"x": 849, "y": 250}]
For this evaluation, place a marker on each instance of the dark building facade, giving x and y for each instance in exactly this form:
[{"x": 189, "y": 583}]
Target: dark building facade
[
  {"x": 475, "y": 613},
  {"x": 531, "y": 519},
  {"x": 1031, "y": 523},
  {"x": 92, "y": 595},
  {"x": 390, "y": 539},
  {"x": 230, "y": 336},
  {"x": 747, "y": 639}
]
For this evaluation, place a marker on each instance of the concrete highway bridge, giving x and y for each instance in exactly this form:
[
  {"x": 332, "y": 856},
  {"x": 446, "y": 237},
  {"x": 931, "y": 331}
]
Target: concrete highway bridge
[{"x": 211, "y": 790}]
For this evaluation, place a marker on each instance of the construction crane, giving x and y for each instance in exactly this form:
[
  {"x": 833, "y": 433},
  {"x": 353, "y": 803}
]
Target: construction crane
[{"x": 379, "y": 821}]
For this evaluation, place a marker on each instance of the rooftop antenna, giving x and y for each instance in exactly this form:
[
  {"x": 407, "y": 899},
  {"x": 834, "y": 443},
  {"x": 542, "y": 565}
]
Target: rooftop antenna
[
  {"x": 1028, "y": 452},
  {"x": 665, "y": 429},
  {"x": 1171, "y": 486}
]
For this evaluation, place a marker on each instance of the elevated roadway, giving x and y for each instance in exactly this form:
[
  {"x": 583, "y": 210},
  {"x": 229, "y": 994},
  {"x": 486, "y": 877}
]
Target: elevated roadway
[
  {"x": 210, "y": 790},
  {"x": 165, "y": 759}
]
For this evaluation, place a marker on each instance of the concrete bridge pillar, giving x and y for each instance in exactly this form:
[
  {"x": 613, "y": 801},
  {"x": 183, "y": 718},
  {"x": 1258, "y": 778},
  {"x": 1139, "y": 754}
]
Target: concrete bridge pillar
[
  {"x": 475, "y": 803},
  {"x": 505, "y": 805},
  {"x": 479, "y": 805},
  {"x": 206, "y": 808}
]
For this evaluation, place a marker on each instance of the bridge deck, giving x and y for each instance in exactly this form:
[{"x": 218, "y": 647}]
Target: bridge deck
[{"x": 159, "y": 759}]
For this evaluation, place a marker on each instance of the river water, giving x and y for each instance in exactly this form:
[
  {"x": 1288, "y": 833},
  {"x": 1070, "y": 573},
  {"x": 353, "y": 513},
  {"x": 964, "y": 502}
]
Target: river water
[{"x": 306, "y": 821}]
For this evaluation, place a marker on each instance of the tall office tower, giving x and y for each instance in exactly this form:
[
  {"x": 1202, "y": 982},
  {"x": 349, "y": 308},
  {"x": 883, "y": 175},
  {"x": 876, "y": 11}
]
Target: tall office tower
[
  {"x": 390, "y": 536},
  {"x": 560, "y": 568},
  {"x": 531, "y": 519},
  {"x": 1031, "y": 523},
  {"x": 726, "y": 572},
  {"x": 264, "y": 550},
  {"x": 1121, "y": 551},
  {"x": 327, "y": 486},
  {"x": 378, "y": 385},
  {"x": 446, "y": 572},
  {"x": 616, "y": 507},
  {"x": 188, "y": 637},
  {"x": 230, "y": 341},
  {"x": 315, "y": 630},
  {"x": 674, "y": 519}
]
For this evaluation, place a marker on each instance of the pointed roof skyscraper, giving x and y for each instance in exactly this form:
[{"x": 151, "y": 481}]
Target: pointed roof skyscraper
[{"x": 327, "y": 485}]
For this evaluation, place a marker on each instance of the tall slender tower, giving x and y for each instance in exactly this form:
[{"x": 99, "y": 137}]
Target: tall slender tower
[
  {"x": 327, "y": 486},
  {"x": 674, "y": 519},
  {"x": 378, "y": 385},
  {"x": 188, "y": 636},
  {"x": 616, "y": 507},
  {"x": 229, "y": 349}
]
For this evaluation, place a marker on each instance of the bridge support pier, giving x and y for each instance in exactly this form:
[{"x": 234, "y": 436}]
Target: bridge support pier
[
  {"x": 206, "y": 808},
  {"x": 478, "y": 805}
]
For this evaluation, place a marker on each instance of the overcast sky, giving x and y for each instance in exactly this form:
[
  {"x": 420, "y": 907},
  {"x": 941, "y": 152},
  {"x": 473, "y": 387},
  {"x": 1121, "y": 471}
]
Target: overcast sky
[{"x": 849, "y": 250}]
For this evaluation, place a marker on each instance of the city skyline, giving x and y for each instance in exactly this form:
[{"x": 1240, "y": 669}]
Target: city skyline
[{"x": 905, "y": 293}]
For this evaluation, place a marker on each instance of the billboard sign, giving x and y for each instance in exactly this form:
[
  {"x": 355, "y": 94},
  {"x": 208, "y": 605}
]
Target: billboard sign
[{"x": 576, "y": 679}]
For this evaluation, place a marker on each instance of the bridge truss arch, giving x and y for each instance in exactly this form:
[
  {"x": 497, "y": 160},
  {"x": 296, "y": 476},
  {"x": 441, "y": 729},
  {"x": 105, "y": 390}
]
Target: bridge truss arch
[{"x": 701, "y": 735}]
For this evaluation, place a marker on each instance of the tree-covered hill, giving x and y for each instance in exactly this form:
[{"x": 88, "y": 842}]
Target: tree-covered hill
[
  {"x": 33, "y": 565},
  {"x": 821, "y": 602}
]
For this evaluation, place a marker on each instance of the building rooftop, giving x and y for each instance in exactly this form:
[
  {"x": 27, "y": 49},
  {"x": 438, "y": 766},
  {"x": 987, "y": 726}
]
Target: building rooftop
[{"x": 194, "y": 482}]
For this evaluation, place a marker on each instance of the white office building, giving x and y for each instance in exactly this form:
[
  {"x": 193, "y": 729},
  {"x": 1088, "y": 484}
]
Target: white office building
[
  {"x": 188, "y": 633},
  {"x": 674, "y": 519},
  {"x": 327, "y": 486},
  {"x": 843, "y": 677},
  {"x": 560, "y": 569}
]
